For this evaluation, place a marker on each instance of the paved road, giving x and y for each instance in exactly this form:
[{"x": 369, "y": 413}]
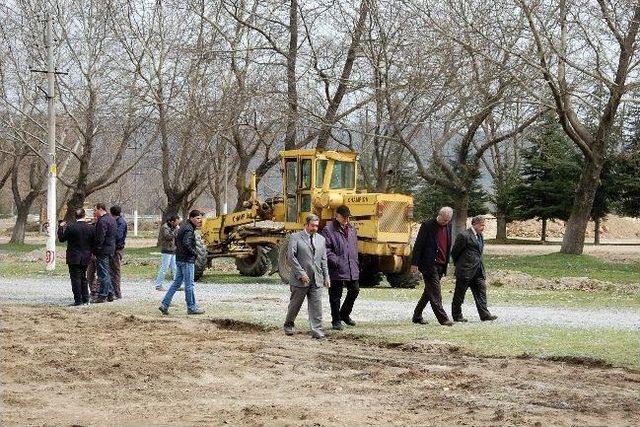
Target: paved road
[{"x": 270, "y": 300}]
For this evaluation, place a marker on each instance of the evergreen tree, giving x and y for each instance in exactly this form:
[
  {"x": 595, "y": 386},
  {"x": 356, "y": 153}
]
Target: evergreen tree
[{"x": 551, "y": 168}]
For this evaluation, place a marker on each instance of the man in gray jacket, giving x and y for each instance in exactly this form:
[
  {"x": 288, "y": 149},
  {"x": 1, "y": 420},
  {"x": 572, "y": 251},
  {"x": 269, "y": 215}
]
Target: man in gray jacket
[
  {"x": 307, "y": 255},
  {"x": 467, "y": 256},
  {"x": 168, "y": 234}
]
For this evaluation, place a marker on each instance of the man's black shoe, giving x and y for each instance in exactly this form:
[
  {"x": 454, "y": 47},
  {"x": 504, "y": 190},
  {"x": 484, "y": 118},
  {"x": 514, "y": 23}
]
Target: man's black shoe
[
  {"x": 110, "y": 297},
  {"x": 420, "y": 320},
  {"x": 349, "y": 321},
  {"x": 460, "y": 319},
  {"x": 447, "y": 323},
  {"x": 336, "y": 326},
  {"x": 196, "y": 311},
  {"x": 98, "y": 300},
  {"x": 164, "y": 310},
  {"x": 489, "y": 318}
]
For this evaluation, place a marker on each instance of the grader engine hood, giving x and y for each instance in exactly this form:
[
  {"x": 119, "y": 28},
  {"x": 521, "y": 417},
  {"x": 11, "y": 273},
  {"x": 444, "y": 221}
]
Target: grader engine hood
[{"x": 381, "y": 217}]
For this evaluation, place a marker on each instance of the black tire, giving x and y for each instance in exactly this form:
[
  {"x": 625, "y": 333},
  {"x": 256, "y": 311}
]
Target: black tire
[
  {"x": 284, "y": 269},
  {"x": 370, "y": 276},
  {"x": 404, "y": 278},
  {"x": 201, "y": 258},
  {"x": 256, "y": 265}
]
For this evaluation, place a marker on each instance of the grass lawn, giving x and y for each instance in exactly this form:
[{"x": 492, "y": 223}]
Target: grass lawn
[{"x": 563, "y": 265}]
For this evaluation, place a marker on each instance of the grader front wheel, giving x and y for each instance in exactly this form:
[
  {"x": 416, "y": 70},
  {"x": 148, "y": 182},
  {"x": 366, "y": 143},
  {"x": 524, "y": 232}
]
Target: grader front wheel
[{"x": 257, "y": 264}]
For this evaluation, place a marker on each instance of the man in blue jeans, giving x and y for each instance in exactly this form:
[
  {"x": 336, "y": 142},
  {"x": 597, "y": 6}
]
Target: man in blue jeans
[
  {"x": 104, "y": 248},
  {"x": 186, "y": 254}
]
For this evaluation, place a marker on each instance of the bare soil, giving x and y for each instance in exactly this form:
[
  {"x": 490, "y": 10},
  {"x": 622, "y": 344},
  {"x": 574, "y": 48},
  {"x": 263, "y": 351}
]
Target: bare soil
[{"x": 67, "y": 366}]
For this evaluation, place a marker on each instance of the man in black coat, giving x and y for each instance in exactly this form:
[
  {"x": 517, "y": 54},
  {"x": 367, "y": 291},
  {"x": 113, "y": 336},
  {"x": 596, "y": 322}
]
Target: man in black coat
[
  {"x": 431, "y": 256},
  {"x": 79, "y": 237},
  {"x": 467, "y": 256},
  {"x": 186, "y": 255},
  {"x": 104, "y": 249}
]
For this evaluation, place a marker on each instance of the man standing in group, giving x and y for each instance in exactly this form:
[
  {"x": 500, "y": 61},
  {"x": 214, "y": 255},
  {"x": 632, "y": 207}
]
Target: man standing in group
[
  {"x": 342, "y": 258},
  {"x": 431, "y": 256},
  {"x": 79, "y": 237},
  {"x": 467, "y": 256},
  {"x": 168, "y": 234},
  {"x": 116, "y": 260},
  {"x": 104, "y": 250},
  {"x": 307, "y": 256},
  {"x": 186, "y": 254}
]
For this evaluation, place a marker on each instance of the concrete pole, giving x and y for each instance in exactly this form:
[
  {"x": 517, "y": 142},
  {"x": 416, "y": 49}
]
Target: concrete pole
[
  {"x": 50, "y": 254},
  {"x": 226, "y": 176}
]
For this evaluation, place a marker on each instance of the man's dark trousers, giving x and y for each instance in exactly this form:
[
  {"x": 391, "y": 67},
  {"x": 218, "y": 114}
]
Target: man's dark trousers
[
  {"x": 103, "y": 266},
  {"x": 79, "y": 284},
  {"x": 479, "y": 290},
  {"x": 335, "y": 294},
  {"x": 432, "y": 294},
  {"x": 116, "y": 272}
]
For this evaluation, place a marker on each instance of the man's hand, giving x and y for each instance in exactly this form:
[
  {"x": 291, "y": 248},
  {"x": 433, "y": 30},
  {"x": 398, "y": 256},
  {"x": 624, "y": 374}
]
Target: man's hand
[
  {"x": 305, "y": 279},
  {"x": 62, "y": 224},
  {"x": 414, "y": 269},
  {"x": 327, "y": 284}
]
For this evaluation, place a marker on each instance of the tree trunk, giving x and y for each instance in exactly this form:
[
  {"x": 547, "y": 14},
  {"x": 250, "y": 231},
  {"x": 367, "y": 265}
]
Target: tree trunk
[
  {"x": 501, "y": 224},
  {"x": 20, "y": 227},
  {"x": 576, "y": 227},
  {"x": 596, "y": 231},
  {"x": 461, "y": 212},
  {"x": 75, "y": 202},
  {"x": 543, "y": 234}
]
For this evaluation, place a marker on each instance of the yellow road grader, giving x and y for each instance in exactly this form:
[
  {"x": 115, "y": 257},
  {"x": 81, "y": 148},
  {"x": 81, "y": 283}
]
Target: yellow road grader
[{"x": 314, "y": 181}]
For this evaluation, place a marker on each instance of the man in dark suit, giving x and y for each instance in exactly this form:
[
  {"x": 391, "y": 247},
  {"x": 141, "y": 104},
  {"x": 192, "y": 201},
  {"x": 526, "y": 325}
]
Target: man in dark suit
[
  {"x": 431, "y": 256},
  {"x": 467, "y": 256},
  {"x": 79, "y": 237}
]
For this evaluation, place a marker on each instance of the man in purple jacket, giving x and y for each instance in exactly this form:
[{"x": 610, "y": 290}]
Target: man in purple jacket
[{"x": 342, "y": 257}]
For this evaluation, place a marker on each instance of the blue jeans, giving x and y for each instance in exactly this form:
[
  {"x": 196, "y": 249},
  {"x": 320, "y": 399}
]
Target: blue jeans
[
  {"x": 168, "y": 261},
  {"x": 184, "y": 273},
  {"x": 103, "y": 266}
]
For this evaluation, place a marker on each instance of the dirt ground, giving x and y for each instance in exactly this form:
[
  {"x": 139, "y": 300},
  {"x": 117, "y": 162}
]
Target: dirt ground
[{"x": 67, "y": 366}]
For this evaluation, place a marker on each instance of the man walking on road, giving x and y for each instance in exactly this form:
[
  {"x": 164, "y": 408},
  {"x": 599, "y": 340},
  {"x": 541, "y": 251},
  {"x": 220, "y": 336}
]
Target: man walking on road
[
  {"x": 104, "y": 249},
  {"x": 307, "y": 256},
  {"x": 79, "y": 237},
  {"x": 467, "y": 256},
  {"x": 168, "y": 234},
  {"x": 116, "y": 260},
  {"x": 342, "y": 258},
  {"x": 186, "y": 254},
  {"x": 431, "y": 256}
]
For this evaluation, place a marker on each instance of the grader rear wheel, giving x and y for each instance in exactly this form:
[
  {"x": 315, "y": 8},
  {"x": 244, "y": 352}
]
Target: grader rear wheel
[
  {"x": 404, "y": 278},
  {"x": 257, "y": 264},
  {"x": 370, "y": 275}
]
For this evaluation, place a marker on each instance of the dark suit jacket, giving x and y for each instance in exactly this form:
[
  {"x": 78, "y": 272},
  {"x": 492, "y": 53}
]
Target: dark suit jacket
[
  {"x": 79, "y": 237},
  {"x": 426, "y": 246},
  {"x": 105, "y": 240},
  {"x": 467, "y": 255}
]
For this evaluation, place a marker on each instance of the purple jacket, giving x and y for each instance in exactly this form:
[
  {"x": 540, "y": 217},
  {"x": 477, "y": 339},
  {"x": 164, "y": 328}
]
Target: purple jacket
[{"x": 342, "y": 251}]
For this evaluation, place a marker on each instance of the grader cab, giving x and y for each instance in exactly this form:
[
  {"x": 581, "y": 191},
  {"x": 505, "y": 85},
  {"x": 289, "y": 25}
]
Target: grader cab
[{"x": 315, "y": 181}]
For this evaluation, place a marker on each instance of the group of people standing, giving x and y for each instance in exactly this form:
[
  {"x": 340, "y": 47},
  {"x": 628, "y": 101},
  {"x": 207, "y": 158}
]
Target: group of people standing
[
  {"x": 330, "y": 259},
  {"x": 95, "y": 247}
]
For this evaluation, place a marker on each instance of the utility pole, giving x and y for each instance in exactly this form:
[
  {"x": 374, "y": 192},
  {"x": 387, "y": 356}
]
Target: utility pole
[
  {"x": 50, "y": 254},
  {"x": 226, "y": 176}
]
